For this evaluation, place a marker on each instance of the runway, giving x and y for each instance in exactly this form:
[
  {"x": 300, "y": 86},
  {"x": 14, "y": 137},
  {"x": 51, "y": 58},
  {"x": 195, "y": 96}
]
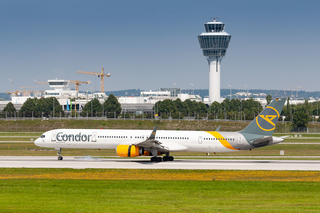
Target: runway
[{"x": 114, "y": 163}]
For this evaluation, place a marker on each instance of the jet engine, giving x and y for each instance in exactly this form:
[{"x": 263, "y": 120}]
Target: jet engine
[{"x": 129, "y": 151}]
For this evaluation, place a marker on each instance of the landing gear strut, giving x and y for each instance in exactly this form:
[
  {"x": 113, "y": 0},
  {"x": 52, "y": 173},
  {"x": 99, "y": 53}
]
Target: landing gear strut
[
  {"x": 167, "y": 157},
  {"x": 59, "y": 153}
]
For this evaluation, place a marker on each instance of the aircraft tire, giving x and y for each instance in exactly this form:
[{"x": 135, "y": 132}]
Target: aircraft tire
[{"x": 60, "y": 158}]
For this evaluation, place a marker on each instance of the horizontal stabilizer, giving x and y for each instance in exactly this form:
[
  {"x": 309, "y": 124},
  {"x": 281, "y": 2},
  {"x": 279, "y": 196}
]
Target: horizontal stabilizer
[{"x": 263, "y": 141}]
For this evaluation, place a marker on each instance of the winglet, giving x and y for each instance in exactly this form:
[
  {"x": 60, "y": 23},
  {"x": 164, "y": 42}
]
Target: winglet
[
  {"x": 217, "y": 129},
  {"x": 153, "y": 134}
]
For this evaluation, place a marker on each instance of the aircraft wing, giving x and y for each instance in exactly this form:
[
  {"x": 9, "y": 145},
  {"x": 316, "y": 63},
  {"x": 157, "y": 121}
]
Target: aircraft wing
[
  {"x": 162, "y": 146},
  {"x": 151, "y": 143}
]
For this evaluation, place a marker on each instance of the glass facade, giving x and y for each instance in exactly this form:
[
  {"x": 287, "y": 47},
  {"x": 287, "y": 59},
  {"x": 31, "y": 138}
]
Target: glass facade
[
  {"x": 173, "y": 91},
  {"x": 214, "y": 27},
  {"x": 214, "y": 45},
  {"x": 214, "y": 52},
  {"x": 63, "y": 83},
  {"x": 51, "y": 93}
]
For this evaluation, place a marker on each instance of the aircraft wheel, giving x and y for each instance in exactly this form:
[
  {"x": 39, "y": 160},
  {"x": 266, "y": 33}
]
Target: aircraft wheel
[
  {"x": 60, "y": 158},
  {"x": 170, "y": 158},
  {"x": 158, "y": 159},
  {"x": 165, "y": 158}
]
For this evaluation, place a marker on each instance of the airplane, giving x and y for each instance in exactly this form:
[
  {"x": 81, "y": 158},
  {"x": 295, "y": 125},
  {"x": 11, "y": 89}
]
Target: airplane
[{"x": 133, "y": 143}]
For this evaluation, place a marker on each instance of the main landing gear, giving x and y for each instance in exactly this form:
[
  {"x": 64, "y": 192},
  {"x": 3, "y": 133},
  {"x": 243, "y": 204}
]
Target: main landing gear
[
  {"x": 159, "y": 159},
  {"x": 59, "y": 153}
]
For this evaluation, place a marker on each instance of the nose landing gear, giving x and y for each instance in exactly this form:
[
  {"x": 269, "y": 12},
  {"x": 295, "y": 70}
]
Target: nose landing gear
[{"x": 59, "y": 153}]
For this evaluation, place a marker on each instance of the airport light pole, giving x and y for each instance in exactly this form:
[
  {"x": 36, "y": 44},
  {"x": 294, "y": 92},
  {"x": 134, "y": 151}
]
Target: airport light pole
[
  {"x": 230, "y": 92},
  {"x": 125, "y": 106},
  {"x": 11, "y": 88},
  {"x": 247, "y": 91},
  {"x": 192, "y": 87},
  {"x": 53, "y": 107}
]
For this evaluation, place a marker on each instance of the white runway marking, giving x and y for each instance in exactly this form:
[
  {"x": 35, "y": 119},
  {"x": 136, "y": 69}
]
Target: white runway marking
[{"x": 138, "y": 163}]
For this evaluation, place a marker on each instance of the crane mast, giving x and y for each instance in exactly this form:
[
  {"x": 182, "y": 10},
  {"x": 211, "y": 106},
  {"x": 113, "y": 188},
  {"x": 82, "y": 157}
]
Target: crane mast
[{"x": 100, "y": 75}]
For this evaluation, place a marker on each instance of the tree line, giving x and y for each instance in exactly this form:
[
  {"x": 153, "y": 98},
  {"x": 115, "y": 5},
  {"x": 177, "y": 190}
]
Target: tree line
[
  {"x": 232, "y": 110},
  {"x": 35, "y": 107},
  {"x": 50, "y": 107},
  {"x": 299, "y": 115}
]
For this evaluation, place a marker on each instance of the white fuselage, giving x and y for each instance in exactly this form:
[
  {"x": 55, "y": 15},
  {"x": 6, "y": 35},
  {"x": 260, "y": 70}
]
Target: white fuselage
[{"x": 192, "y": 141}]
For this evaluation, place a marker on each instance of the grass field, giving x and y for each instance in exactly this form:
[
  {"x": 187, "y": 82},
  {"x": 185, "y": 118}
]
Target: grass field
[{"x": 48, "y": 194}]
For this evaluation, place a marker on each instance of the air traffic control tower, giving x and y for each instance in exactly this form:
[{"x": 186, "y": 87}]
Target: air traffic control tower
[{"x": 214, "y": 44}]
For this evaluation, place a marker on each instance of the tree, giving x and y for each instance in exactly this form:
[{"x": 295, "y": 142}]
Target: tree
[
  {"x": 181, "y": 106},
  {"x": 9, "y": 108},
  {"x": 112, "y": 105},
  {"x": 269, "y": 99},
  {"x": 92, "y": 108},
  {"x": 42, "y": 106},
  {"x": 191, "y": 108},
  {"x": 167, "y": 106},
  {"x": 300, "y": 119},
  {"x": 28, "y": 107},
  {"x": 201, "y": 108},
  {"x": 54, "y": 106}
]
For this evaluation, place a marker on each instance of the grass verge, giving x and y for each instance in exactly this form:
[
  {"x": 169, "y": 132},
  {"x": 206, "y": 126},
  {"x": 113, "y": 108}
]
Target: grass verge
[
  {"x": 163, "y": 174},
  {"x": 65, "y": 195}
]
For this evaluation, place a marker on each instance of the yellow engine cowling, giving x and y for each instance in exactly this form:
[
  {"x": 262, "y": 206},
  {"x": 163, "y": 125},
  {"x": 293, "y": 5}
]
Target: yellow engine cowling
[{"x": 129, "y": 151}]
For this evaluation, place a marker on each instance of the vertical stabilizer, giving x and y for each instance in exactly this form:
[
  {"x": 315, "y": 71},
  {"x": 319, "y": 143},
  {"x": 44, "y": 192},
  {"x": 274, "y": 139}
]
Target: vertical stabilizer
[{"x": 266, "y": 121}]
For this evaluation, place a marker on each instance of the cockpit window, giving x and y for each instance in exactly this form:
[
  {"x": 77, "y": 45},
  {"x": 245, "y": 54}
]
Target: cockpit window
[{"x": 42, "y": 136}]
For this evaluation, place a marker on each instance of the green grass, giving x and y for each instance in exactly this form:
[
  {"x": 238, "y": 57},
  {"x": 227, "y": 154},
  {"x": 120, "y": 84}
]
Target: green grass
[
  {"x": 28, "y": 138},
  {"x": 24, "y": 134},
  {"x": 27, "y": 195}
]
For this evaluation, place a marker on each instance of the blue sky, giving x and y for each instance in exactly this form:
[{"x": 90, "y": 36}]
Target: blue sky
[{"x": 151, "y": 44}]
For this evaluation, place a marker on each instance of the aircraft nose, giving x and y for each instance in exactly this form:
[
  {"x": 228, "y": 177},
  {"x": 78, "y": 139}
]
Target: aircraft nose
[{"x": 37, "y": 142}]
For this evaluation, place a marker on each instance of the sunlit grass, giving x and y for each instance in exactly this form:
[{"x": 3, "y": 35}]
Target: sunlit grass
[
  {"x": 150, "y": 174},
  {"x": 66, "y": 195}
]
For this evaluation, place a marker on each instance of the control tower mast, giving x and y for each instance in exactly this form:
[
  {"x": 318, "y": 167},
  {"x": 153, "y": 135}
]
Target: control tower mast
[{"x": 214, "y": 44}]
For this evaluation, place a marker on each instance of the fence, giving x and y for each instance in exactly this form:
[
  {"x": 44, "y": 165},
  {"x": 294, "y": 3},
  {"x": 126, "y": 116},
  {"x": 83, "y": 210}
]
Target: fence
[{"x": 188, "y": 123}]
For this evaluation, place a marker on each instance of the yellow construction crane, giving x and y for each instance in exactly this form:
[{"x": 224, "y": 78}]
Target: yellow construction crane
[
  {"x": 100, "y": 75},
  {"x": 78, "y": 83},
  {"x": 15, "y": 92},
  {"x": 41, "y": 82},
  {"x": 26, "y": 92}
]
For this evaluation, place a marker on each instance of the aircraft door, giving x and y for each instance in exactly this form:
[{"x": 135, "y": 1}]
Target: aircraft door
[
  {"x": 53, "y": 136},
  {"x": 94, "y": 137},
  {"x": 200, "y": 140},
  {"x": 239, "y": 141}
]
